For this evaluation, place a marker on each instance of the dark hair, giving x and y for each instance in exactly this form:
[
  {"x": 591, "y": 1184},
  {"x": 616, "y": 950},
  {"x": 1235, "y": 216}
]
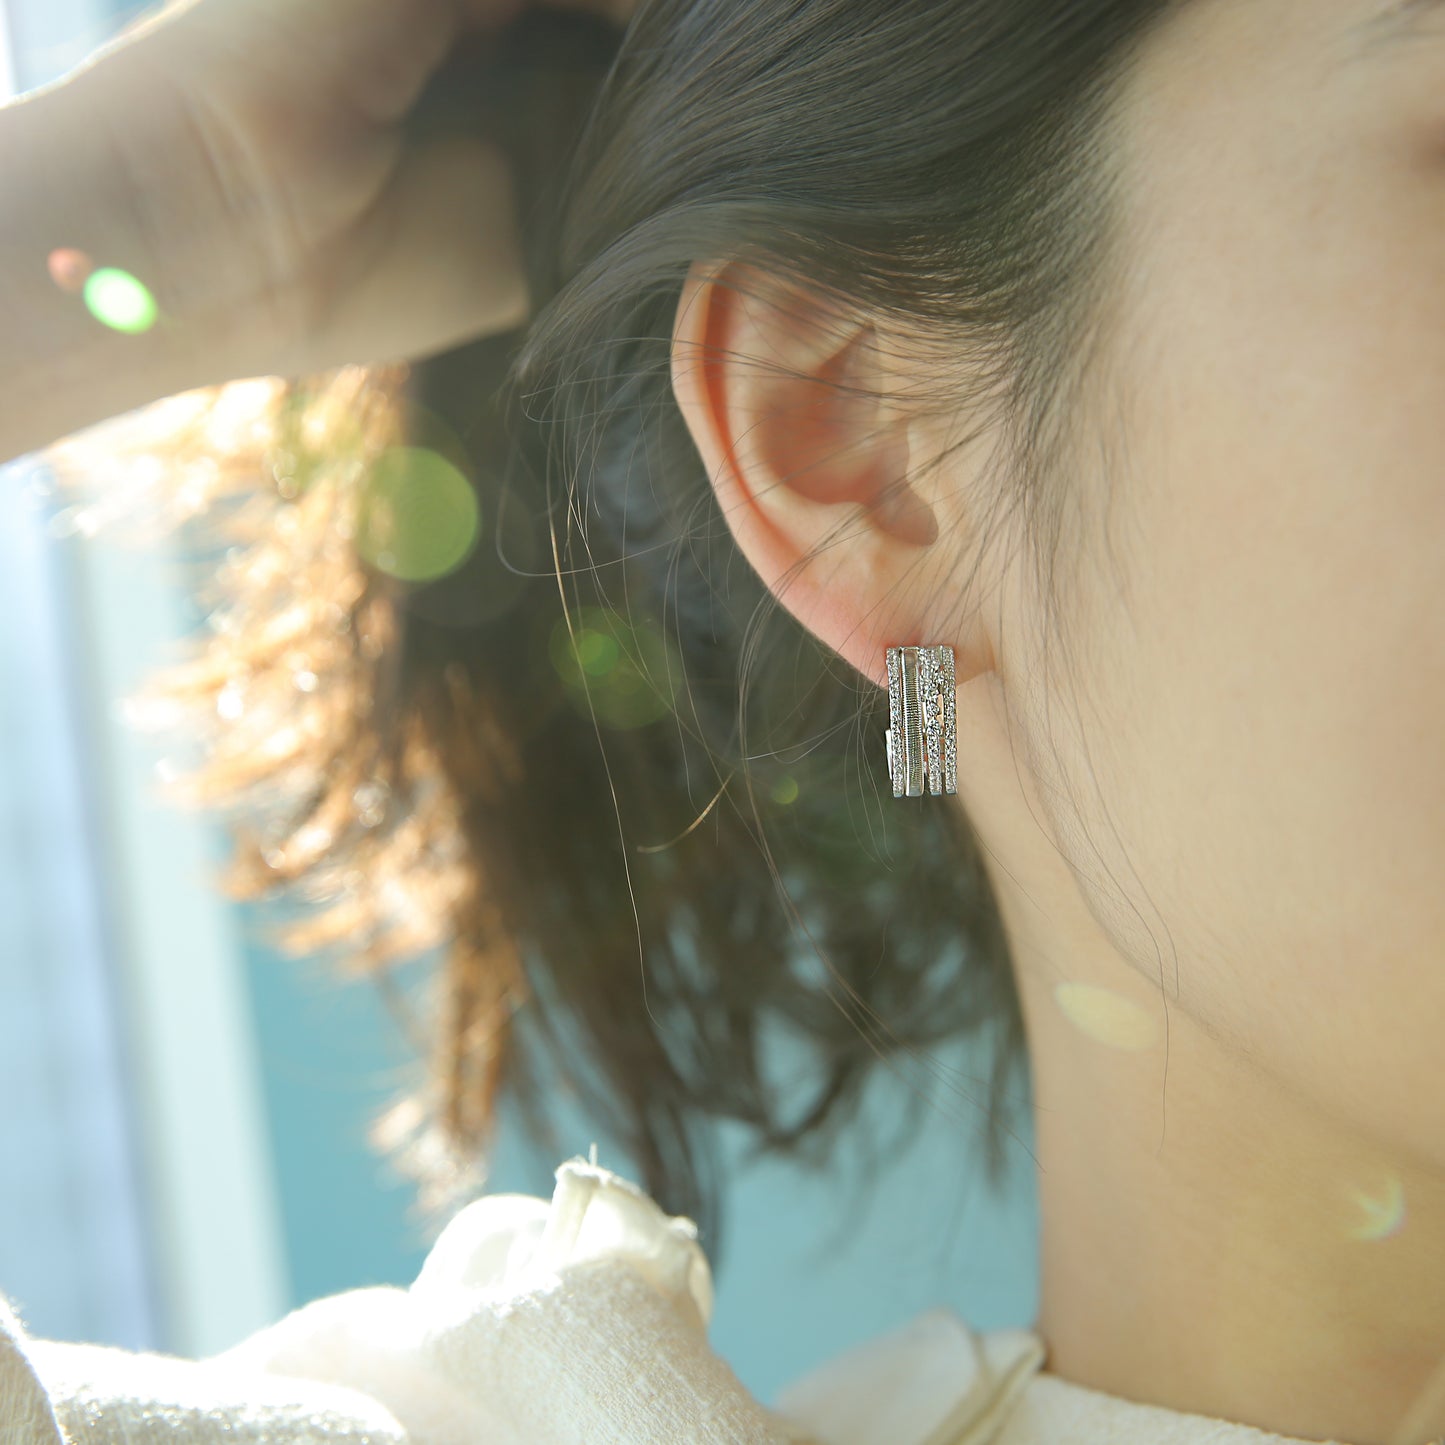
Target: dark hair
[{"x": 644, "y": 856}]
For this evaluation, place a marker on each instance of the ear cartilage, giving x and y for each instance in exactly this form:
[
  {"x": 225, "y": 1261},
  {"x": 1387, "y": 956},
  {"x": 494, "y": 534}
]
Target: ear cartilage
[{"x": 920, "y": 740}]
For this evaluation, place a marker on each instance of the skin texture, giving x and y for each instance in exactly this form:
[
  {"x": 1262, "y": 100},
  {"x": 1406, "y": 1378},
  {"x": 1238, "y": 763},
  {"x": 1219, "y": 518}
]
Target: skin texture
[{"x": 1211, "y": 793}]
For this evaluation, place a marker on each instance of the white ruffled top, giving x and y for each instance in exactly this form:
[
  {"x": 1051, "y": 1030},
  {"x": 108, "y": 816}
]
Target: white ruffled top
[{"x": 582, "y": 1321}]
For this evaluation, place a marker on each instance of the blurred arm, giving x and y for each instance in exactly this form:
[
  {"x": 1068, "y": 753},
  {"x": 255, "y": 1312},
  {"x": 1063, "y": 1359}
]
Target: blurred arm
[{"x": 68, "y": 209}]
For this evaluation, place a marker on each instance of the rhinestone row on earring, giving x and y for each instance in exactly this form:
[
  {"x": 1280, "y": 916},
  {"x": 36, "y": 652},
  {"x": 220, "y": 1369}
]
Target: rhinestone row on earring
[{"x": 920, "y": 738}]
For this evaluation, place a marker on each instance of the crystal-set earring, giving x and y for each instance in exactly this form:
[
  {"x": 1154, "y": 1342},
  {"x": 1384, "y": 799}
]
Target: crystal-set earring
[{"x": 921, "y": 704}]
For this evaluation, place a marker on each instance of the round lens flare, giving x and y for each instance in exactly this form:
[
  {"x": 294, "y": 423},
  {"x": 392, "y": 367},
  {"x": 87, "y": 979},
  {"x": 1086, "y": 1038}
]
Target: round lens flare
[
  {"x": 116, "y": 299},
  {"x": 622, "y": 670},
  {"x": 785, "y": 790},
  {"x": 418, "y": 518},
  {"x": 597, "y": 652},
  {"x": 68, "y": 268}
]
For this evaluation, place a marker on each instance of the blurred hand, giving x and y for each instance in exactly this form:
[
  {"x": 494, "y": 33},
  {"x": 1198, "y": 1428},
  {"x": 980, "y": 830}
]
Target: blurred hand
[{"x": 264, "y": 151}]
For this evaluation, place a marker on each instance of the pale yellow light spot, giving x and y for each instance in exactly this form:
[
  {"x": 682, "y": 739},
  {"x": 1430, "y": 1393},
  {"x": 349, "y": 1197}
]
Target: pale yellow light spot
[
  {"x": 1107, "y": 1017},
  {"x": 1380, "y": 1215}
]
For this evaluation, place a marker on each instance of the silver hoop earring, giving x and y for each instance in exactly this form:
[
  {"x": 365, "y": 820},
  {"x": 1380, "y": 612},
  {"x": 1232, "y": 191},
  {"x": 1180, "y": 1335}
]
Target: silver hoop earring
[{"x": 920, "y": 738}]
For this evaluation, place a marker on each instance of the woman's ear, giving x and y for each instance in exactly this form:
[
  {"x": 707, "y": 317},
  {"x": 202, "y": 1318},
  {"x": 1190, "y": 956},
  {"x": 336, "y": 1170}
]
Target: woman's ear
[{"x": 787, "y": 401}]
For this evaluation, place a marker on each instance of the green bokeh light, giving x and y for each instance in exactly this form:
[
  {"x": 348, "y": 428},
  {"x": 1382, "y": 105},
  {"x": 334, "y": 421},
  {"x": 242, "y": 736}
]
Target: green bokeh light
[
  {"x": 419, "y": 518},
  {"x": 596, "y": 651},
  {"x": 626, "y": 670},
  {"x": 785, "y": 790},
  {"x": 116, "y": 299}
]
